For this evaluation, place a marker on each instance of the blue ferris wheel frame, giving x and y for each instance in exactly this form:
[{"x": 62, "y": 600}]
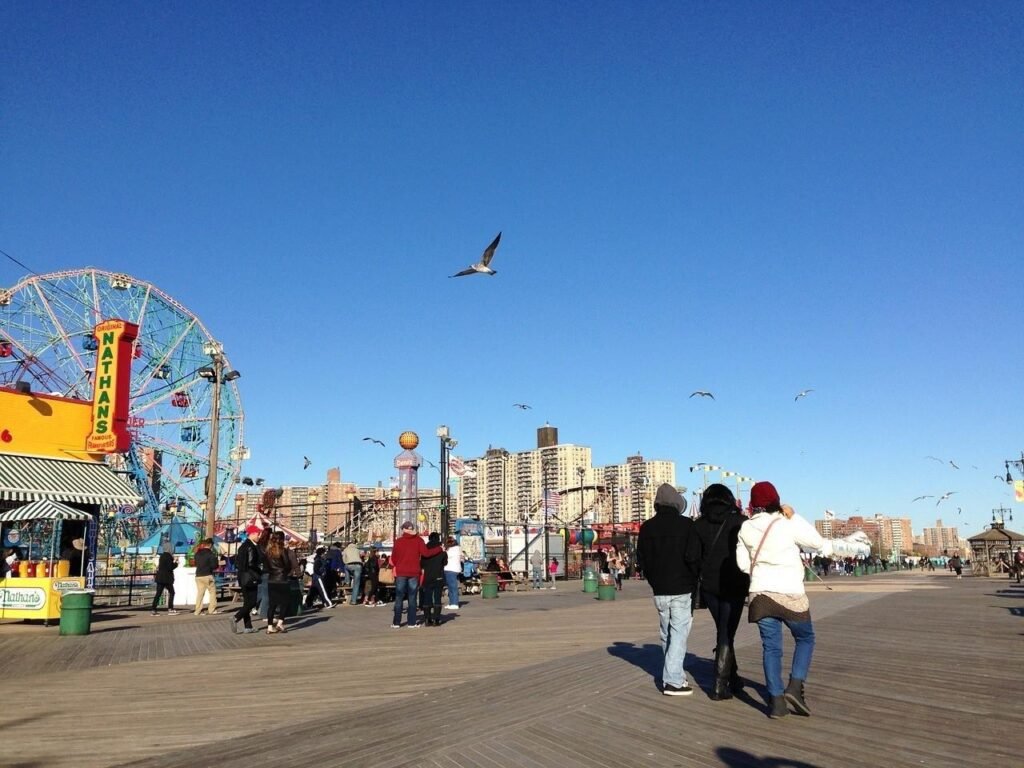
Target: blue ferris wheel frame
[{"x": 47, "y": 324}]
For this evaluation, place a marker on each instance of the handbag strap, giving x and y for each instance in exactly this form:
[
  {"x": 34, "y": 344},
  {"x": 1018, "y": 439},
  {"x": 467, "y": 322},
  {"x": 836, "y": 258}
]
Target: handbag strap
[
  {"x": 700, "y": 576},
  {"x": 761, "y": 544}
]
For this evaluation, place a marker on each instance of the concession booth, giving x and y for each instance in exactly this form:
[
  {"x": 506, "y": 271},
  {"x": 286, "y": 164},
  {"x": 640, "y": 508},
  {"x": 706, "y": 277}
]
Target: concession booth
[{"x": 56, "y": 484}]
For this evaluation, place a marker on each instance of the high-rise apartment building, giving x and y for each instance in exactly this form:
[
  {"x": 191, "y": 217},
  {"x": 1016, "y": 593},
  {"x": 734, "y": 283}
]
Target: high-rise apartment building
[
  {"x": 944, "y": 538},
  {"x": 887, "y": 534},
  {"x": 504, "y": 487}
]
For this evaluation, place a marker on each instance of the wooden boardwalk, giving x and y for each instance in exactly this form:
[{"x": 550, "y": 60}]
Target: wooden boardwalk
[{"x": 909, "y": 670}]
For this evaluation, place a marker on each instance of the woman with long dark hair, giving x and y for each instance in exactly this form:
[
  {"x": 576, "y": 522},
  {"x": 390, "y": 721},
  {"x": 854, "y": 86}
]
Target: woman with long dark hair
[
  {"x": 281, "y": 566},
  {"x": 723, "y": 586}
]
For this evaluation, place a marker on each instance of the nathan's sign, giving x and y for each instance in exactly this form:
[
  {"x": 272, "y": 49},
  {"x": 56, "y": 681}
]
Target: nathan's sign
[
  {"x": 110, "y": 396},
  {"x": 22, "y": 598}
]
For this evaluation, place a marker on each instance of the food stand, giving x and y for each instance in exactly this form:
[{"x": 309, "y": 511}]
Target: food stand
[{"x": 35, "y": 588}]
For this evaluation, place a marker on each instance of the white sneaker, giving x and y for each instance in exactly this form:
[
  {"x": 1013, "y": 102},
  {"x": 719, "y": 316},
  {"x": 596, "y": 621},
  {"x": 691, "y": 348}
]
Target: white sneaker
[{"x": 451, "y": 607}]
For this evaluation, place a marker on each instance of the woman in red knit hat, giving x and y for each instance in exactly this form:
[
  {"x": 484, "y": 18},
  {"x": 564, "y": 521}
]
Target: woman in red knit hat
[{"x": 769, "y": 550}]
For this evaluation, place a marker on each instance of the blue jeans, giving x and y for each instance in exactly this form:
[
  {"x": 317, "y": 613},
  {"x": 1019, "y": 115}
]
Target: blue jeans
[
  {"x": 406, "y": 587},
  {"x": 674, "y": 621},
  {"x": 538, "y": 577},
  {"x": 354, "y": 572},
  {"x": 771, "y": 644},
  {"x": 263, "y": 595},
  {"x": 451, "y": 579}
]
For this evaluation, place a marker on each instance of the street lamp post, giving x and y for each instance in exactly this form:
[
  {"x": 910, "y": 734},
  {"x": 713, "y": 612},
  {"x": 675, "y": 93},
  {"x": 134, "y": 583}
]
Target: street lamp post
[
  {"x": 216, "y": 375},
  {"x": 447, "y": 444},
  {"x": 311, "y": 497},
  {"x": 1016, "y": 464},
  {"x": 544, "y": 465}
]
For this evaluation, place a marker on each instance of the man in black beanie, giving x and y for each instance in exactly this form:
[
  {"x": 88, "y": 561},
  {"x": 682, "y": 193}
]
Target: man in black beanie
[{"x": 662, "y": 550}]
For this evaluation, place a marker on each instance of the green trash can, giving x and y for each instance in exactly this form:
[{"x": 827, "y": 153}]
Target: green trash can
[
  {"x": 76, "y": 612},
  {"x": 606, "y": 591},
  {"x": 590, "y": 580},
  {"x": 488, "y": 585}
]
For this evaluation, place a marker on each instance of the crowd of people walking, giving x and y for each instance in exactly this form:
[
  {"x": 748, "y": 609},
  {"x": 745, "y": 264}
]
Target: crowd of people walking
[{"x": 724, "y": 561}]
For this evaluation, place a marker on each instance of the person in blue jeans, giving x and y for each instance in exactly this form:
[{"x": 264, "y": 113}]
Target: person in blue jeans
[
  {"x": 452, "y": 571},
  {"x": 768, "y": 549},
  {"x": 406, "y": 556},
  {"x": 665, "y": 554}
]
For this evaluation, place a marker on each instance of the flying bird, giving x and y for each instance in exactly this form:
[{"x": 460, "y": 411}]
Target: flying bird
[
  {"x": 483, "y": 266},
  {"x": 953, "y": 464},
  {"x": 375, "y": 440},
  {"x": 306, "y": 462},
  {"x": 958, "y": 510},
  {"x": 522, "y": 406},
  {"x": 702, "y": 393},
  {"x": 1000, "y": 478},
  {"x": 944, "y": 496},
  {"x": 933, "y": 458},
  {"x": 918, "y": 498},
  {"x": 433, "y": 464},
  {"x": 803, "y": 393}
]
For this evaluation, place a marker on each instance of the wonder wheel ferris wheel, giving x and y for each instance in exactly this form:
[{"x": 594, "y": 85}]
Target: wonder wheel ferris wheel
[{"x": 46, "y": 339}]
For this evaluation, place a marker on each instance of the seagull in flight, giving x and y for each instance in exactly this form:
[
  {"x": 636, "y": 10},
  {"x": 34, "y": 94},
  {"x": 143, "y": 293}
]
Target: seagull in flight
[
  {"x": 375, "y": 440},
  {"x": 803, "y": 393},
  {"x": 944, "y": 496},
  {"x": 522, "y": 406},
  {"x": 702, "y": 393},
  {"x": 918, "y": 498},
  {"x": 306, "y": 462},
  {"x": 953, "y": 464},
  {"x": 933, "y": 458},
  {"x": 483, "y": 266}
]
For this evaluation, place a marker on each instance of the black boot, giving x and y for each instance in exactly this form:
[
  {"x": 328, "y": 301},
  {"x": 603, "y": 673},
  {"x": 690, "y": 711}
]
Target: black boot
[
  {"x": 735, "y": 681},
  {"x": 795, "y": 696},
  {"x": 723, "y": 666},
  {"x": 777, "y": 707}
]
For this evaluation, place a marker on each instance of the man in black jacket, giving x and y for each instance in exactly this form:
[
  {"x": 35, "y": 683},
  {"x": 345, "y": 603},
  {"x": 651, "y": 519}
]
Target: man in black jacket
[
  {"x": 249, "y": 564},
  {"x": 662, "y": 550}
]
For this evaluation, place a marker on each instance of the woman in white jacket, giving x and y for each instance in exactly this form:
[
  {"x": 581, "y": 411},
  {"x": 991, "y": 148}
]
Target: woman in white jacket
[{"x": 769, "y": 550}]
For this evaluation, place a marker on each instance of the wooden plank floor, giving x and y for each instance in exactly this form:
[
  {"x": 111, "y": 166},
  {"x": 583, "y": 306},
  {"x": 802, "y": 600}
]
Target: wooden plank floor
[{"x": 909, "y": 670}]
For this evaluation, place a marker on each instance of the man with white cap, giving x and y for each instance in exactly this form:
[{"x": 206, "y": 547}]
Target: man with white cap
[{"x": 249, "y": 564}]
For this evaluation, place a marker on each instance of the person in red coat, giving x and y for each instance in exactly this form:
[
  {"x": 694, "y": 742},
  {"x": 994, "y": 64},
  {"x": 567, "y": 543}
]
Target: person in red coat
[{"x": 405, "y": 559}]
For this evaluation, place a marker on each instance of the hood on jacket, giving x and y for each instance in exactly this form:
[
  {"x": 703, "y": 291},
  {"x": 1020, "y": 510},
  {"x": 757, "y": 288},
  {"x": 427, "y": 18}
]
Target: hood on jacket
[
  {"x": 716, "y": 503},
  {"x": 668, "y": 498}
]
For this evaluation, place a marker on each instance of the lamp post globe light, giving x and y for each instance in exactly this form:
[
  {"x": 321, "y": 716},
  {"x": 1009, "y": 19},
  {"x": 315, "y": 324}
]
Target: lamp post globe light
[{"x": 217, "y": 376}]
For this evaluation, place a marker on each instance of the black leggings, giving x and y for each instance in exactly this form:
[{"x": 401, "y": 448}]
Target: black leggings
[
  {"x": 278, "y": 592},
  {"x": 727, "y": 615},
  {"x": 159, "y": 592}
]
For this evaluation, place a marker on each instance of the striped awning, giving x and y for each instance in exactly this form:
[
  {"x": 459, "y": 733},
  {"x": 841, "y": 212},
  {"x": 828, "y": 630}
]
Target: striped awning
[
  {"x": 45, "y": 509},
  {"x": 33, "y": 478}
]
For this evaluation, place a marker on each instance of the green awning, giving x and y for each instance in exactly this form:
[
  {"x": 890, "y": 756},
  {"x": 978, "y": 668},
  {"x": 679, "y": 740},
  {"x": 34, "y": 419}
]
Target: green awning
[{"x": 34, "y": 478}]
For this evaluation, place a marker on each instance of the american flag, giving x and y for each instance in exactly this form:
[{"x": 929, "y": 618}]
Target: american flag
[{"x": 551, "y": 501}]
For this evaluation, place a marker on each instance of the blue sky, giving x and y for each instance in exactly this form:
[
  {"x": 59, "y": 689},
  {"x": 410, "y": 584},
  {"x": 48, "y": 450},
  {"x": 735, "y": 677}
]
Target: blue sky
[{"x": 751, "y": 199}]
